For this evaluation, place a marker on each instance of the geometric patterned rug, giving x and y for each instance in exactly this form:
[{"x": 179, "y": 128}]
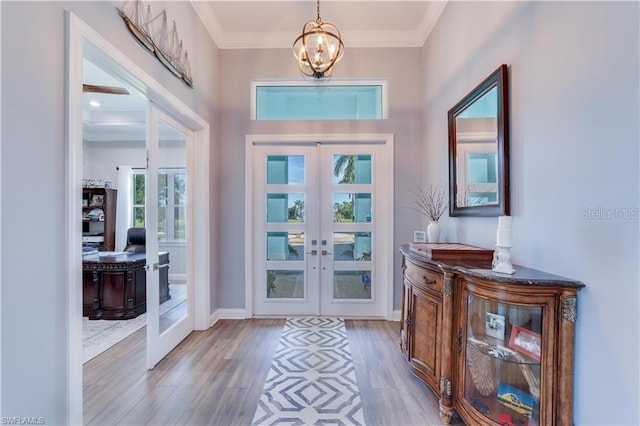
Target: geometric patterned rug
[{"x": 312, "y": 380}]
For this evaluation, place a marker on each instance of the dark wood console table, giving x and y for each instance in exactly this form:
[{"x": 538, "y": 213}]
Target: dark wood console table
[{"x": 115, "y": 287}]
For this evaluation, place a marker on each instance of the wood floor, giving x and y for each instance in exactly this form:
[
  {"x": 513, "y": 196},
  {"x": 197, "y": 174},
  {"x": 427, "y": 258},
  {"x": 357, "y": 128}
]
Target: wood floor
[{"x": 215, "y": 377}]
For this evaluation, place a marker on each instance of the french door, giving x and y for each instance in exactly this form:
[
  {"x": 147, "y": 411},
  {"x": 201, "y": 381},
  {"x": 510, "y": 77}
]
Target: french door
[
  {"x": 167, "y": 218},
  {"x": 320, "y": 231}
]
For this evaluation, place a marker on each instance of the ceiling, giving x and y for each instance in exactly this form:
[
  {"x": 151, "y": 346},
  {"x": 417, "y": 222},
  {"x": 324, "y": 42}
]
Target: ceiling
[
  {"x": 241, "y": 24},
  {"x": 244, "y": 24},
  {"x": 115, "y": 117}
]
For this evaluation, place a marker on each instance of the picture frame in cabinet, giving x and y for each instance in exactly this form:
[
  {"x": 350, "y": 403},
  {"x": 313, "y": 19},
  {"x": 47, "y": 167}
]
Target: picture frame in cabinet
[
  {"x": 494, "y": 325},
  {"x": 97, "y": 200},
  {"x": 526, "y": 342},
  {"x": 419, "y": 237}
]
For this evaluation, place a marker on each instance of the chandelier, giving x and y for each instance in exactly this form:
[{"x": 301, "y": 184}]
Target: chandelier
[{"x": 318, "y": 48}]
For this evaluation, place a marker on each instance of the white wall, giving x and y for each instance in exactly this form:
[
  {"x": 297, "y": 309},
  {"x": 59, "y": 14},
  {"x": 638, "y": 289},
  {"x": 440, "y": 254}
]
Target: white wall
[
  {"x": 238, "y": 67},
  {"x": 101, "y": 159},
  {"x": 34, "y": 288},
  {"x": 574, "y": 71}
]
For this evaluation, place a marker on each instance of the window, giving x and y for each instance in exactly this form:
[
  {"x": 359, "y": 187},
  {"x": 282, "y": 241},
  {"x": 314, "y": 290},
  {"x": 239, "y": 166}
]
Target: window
[
  {"x": 303, "y": 100},
  {"x": 172, "y": 198}
]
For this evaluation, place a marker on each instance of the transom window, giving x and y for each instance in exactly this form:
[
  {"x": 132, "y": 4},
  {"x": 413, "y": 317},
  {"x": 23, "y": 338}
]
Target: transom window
[
  {"x": 303, "y": 100},
  {"x": 172, "y": 197}
]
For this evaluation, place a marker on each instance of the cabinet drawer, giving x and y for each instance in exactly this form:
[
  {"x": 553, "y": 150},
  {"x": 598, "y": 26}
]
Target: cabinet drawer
[{"x": 424, "y": 278}]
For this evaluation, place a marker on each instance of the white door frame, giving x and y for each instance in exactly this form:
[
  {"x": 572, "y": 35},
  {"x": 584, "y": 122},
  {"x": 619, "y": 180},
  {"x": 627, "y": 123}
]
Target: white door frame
[
  {"x": 348, "y": 139},
  {"x": 110, "y": 58}
]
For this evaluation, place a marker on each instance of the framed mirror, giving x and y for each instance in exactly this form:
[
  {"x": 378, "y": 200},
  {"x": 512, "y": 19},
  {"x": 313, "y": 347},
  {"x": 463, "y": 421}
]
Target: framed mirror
[{"x": 479, "y": 149}]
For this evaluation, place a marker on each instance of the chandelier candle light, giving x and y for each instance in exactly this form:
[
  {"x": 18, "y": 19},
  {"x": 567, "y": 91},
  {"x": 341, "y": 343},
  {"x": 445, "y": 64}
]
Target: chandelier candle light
[
  {"x": 318, "y": 48},
  {"x": 502, "y": 256}
]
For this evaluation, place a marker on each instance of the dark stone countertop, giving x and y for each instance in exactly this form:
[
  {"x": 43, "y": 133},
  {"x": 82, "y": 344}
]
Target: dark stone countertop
[{"x": 522, "y": 276}]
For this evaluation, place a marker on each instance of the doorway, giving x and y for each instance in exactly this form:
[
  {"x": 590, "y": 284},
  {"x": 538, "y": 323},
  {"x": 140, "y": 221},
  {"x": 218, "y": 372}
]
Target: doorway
[
  {"x": 84, "y": 42},
  {"x": 320, "y": 227},
  {"x": 144, "y": 218}
]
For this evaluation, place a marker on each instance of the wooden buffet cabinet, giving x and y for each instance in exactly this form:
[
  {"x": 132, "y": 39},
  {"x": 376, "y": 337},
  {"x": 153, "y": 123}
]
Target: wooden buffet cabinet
[{"x": 495, "y": 348}]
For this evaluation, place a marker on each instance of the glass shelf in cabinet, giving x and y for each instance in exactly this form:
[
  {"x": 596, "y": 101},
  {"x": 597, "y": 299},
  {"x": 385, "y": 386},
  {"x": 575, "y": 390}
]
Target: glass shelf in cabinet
[{"x": 495, "y": 348}]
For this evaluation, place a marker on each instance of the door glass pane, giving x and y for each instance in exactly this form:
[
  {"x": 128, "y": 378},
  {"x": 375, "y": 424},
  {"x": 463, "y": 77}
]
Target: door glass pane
[
  {"x": 352, "y": 246},
  {"x": 285, "y": 284},
  {"x": 351, "y": 207},
  {"x": 285, "y": 169},
  {"x": 172, "y": 217},
  {"x": 285, "y": 208},
  {"x": 350, "y": 169},
  {"x": 352, "y": 285},
  {"x": 285, "y": 246}
]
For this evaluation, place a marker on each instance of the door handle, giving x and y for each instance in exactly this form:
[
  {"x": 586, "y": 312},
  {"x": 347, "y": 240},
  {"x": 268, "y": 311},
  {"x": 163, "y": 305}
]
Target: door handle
[
  {"x": 324, "y": 252},
  {"x": 157, "y": 266},
  {"x": 313, "y": 252}
]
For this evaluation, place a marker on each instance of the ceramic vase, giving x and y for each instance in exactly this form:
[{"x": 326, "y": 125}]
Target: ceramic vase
[{"x": 433, "y": 231}]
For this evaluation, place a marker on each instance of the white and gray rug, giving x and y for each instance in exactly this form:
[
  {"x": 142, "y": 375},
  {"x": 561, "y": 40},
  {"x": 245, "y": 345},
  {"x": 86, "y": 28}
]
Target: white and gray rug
[
  {"x": 100, "y": 335},
  {"x": 312, "y": 380}
]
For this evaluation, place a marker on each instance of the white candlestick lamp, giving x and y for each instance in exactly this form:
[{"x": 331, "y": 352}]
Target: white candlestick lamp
[{"x": 502, "y": 255}]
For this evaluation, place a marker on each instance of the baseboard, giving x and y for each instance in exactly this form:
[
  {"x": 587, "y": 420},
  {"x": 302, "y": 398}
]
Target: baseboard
[
  {"x": 228, "y": 314},
  {"x": 213, "y": 318},
  {"x": 242, "y": 314}
]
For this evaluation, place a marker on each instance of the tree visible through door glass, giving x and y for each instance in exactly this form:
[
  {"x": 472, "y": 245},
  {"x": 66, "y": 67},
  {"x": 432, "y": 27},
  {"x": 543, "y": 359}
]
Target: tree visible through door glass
[
  {"x": 350, "y": 169},
  {"x": 285, "y": 207},
  {"x": 351, "y": 207}
]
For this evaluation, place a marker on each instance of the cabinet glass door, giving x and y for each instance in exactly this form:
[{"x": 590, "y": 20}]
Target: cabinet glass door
[{"x": 502, "y": 360}]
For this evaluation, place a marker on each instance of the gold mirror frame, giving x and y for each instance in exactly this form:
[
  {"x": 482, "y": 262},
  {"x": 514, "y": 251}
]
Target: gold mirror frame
[{"x": 459, "y": 204}]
